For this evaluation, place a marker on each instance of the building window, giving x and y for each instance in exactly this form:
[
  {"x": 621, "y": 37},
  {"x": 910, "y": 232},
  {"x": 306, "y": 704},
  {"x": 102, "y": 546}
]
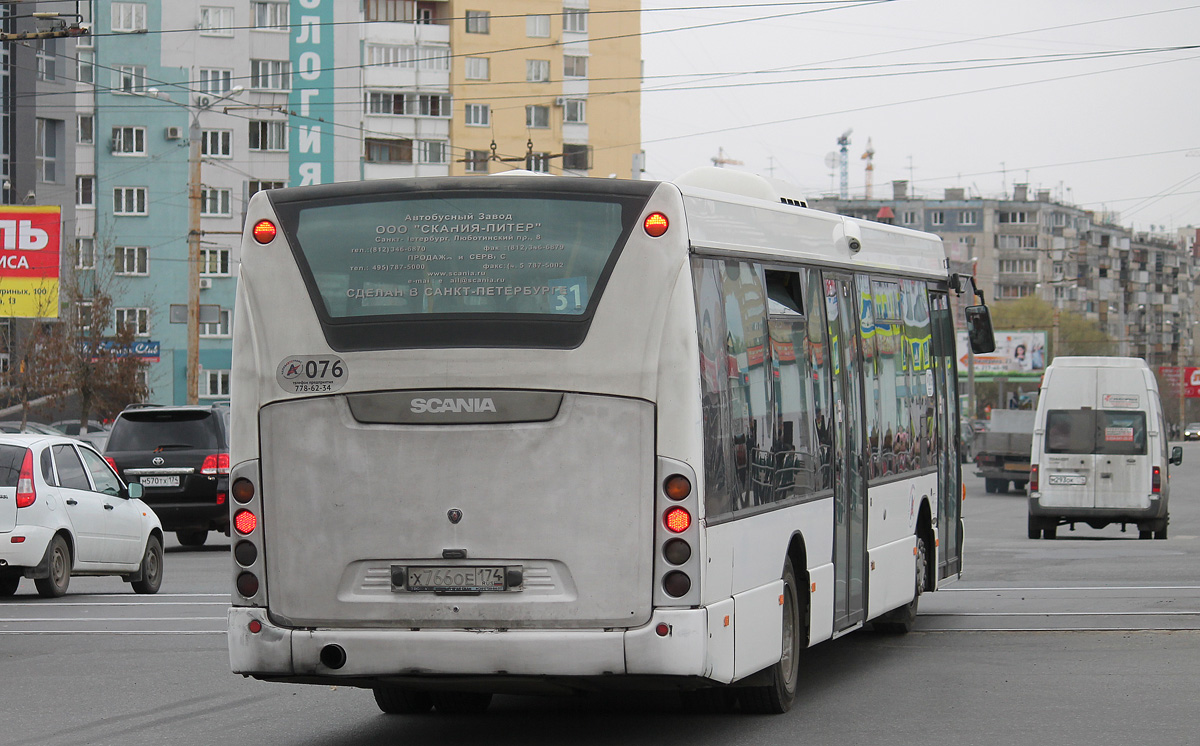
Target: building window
[
  {"x": 479, "y": 22},
  {"x": 408, "y": 104},
  {"x": 537, "y": 71},
  {"x": 83, "y": 315},
  {"x": 269, "y": 136},
  {"x": 577, "y": 157},
  {"x": 477, "y": 68},
  {"x": 216, "y": 21},
  {"x": 46, "y": 54},
  {"x": 85, "y": 66},
  {"x": 1013, "y": 216},
  {"x": 537, "y": 117},
  {"x": 537, "y": 27},
  {"x": 129, "y": 201},
  {"x": 215, "y": 203},
  {"x": 574, "y": 111},
  {"x": 215, "y": 81},
  {"x": 216, "y": 383},
  {"x": 271, "y": 75},
  {"x": 85, "y": 191},
  {"x": 392, "y": 10},
  {"x": 128, "y": 16},
  {"x": 968, "y": 217},
  {"x": 256, "y": 186},
  {"x": 538, "y": 162},
  {"x": 46, "y": 149},
  {"x": 479, "y": 115},
  {"x": 216, "y": 143},
  {"x": 1009, "y": 292},
  {"x": 133, "y": 260},
  {"x": 129, "y": 140},
  {"x": 409, "y": 57},
  {"x": 1018, "y": 266},
  {"x": 1016, "y": 242},
  {"x": 136, "y": 320},
  {"x": 477, "y": 161},
  {"x": 937, "y": 217},
  {"x": 575, "y": 20},
  {"x": 908, "y": 217},
  {"x": 85, "y": 127},
  {"x": 129, "y": 79},
  {"x": 269, "y": 16},
  {"x": 217, "y": 329},
  {"x": 432, "y": 151},
  {"x": 85, "y": 253},
  {"x": 574, "y": 66},
  {"x": 214, "y": 262},
  {"x": 389, "y": 151}
]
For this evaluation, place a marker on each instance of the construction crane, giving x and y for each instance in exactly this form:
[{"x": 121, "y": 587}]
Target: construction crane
[
  {"x": 869, "y": 157},
  {"x": 721, "y": 161},
  {"x": 844, "y": 143}
]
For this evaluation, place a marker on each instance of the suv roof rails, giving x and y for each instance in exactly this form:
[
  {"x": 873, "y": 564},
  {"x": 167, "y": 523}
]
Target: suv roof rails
[{"x": 141, "y": 405}]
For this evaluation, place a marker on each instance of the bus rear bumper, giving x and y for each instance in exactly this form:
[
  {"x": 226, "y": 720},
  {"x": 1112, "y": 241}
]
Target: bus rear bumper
[{"x": 673, "y": 643}]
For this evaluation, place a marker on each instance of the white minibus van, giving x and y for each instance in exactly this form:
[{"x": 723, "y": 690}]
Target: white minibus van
[{"x": 1100, "y": 448}]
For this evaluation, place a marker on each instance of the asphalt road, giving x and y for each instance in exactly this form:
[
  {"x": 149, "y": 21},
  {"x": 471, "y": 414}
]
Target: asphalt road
[{"x": 1092, "y": 638}]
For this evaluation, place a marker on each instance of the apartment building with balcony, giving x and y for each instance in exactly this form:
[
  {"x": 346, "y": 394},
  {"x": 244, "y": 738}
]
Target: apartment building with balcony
[{"x": 289, "y": 93}]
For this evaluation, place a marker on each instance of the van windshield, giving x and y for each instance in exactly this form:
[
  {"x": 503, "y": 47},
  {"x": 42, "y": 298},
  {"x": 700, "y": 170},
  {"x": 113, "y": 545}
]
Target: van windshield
[{"x": 1096, "y": 432}]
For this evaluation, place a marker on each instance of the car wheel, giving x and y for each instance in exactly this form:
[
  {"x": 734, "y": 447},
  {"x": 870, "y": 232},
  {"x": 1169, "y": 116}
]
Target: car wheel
[
  {"x": 1145, "y": 533},
  {"x": 461, "y": 703},
  {"x": 1160, "y": 531},
  {"x": 1050, "y": 531},
  {"x": 777, "y": 697},
  {"x": 59, "y": 556},
  {"x": 397, "y": 701},
  {"x": 151, "y": 569},
  {"x": 8, "y": 585},
  {"x": 194, "y": 537}
]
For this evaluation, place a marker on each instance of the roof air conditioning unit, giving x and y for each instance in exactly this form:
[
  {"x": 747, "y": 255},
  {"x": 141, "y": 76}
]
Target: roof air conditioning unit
[
  {"x": 560, "y": 100},
  {"x": 205, "y": 283},
  {"x": 173, "y": 133}
]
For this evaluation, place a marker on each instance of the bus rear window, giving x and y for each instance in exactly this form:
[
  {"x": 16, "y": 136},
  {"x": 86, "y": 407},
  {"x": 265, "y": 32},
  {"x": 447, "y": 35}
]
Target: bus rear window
[
  {"x": 463, "y": 254},
  {"x": 1096, "y": 432}
]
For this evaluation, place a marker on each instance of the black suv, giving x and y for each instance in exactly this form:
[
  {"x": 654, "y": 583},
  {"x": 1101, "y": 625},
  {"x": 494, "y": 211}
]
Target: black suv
[{"x": 180, "y": 455}]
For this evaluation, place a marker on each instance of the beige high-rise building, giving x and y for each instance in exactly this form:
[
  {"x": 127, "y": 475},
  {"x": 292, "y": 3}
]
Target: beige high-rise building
[{"x": 548, "y": 85}]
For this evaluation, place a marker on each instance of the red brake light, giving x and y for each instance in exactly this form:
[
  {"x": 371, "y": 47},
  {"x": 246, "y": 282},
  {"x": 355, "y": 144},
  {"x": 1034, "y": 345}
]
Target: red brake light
[
  {"x": 245, "y": 522},
  {"x": 215, "y": 463},
  {"x": 264, "y": 231},
  {"x": 26, "y": 493},
  {"x": 677, "y": 520},
  {"x": 112, "y": 463},
  {"x": 655, "y": 224},
  {"x": 1033, "y": 478},
  {"x": 1155, "y": 481}
]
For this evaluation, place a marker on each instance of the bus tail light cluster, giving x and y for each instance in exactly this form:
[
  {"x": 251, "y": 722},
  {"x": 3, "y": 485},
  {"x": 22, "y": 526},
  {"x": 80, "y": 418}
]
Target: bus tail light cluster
[
  {"x": 245, "y": 502},
  {"x": 1156, "y": 481},
  {"x": 1033, "y": 478},
  {"x": 677, "y": 536}
]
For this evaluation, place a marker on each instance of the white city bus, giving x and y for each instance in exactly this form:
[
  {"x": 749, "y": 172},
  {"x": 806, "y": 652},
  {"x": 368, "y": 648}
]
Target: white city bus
[{"x": 528, "y": 433}]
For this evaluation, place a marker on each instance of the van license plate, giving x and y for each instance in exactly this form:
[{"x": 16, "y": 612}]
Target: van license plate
[
  {"x": 455, "y": 579},
  {"x": 159, "y": 481},
  {"x": 1070, "y": 479}
]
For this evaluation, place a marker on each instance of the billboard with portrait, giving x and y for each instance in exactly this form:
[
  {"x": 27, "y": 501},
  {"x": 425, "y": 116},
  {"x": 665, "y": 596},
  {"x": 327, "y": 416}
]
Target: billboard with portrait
[{"x": 1016, "y": 353}]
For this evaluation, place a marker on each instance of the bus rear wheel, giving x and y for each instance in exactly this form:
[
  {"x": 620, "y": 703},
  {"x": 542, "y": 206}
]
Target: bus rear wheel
[
  {"x": 777, "y": 697},
  {"x": 395, "y": 700}
]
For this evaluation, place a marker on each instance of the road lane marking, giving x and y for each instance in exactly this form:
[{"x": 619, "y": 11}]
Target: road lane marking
[{"x": 959, "y": 589}]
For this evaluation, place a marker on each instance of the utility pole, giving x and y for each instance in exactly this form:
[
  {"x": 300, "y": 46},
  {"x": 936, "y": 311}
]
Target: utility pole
[{"x": 193, "y": 308}]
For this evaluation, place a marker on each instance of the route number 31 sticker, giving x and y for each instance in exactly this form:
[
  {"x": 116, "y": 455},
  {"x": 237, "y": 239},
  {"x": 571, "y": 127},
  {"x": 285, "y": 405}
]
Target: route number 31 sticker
[{"x": 312, "y": 375}]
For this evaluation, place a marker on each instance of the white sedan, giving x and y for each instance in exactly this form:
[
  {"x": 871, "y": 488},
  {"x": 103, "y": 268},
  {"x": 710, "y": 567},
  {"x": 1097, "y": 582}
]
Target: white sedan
[{"x": 64, "y": 512}]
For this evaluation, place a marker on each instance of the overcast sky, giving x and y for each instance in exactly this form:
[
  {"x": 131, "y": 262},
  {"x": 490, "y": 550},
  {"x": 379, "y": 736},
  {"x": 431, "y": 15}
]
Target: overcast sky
[{"x": 980, "y": 94}]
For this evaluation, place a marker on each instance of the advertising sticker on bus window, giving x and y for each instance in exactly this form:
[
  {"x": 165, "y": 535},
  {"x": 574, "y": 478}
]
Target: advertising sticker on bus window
[
  {"x": 1121, "y": 401},
  {"x": 1118, "y": 434},
  {"x": 322, "y": 374}
]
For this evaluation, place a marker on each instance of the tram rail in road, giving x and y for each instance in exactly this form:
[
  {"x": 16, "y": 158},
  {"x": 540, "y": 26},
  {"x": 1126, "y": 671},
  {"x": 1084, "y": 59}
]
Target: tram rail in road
[{"x": 164, "y": 614}]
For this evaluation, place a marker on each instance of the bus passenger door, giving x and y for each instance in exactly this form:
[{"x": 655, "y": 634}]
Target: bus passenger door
[
  {"x": 850, "y": 485},
  {"x": 945, "y": 382}
]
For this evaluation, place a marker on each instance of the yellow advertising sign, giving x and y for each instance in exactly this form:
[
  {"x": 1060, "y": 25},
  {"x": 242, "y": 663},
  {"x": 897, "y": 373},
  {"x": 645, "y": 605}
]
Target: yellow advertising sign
[{"x": 29, "y": 260}]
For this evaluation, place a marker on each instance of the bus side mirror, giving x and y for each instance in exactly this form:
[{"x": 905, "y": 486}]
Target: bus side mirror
[
  {"x": 1176, "y": 455},
  {"x": 979, "y": 329}
]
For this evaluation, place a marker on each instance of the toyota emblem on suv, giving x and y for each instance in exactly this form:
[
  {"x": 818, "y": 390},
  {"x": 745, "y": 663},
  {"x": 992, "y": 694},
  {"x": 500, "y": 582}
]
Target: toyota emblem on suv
[{"x": 158, "y": 461}]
